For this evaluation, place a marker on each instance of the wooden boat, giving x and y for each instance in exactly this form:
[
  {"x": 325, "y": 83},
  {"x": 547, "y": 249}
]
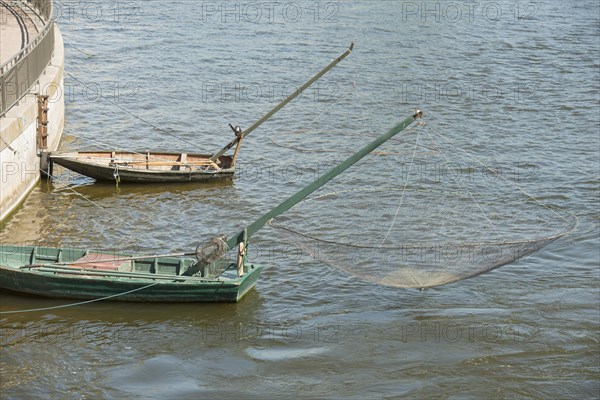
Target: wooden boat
[
  {"x": 146, "y": 167},
  {"x": 202, "y": 276},
  {"x": 89, "y": 274}
]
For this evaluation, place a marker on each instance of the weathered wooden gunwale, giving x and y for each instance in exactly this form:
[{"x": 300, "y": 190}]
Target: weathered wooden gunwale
[{"x": 146, "y": 167}]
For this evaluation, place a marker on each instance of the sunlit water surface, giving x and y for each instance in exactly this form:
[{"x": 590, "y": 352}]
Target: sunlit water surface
[{"x": 513, "y": 86}]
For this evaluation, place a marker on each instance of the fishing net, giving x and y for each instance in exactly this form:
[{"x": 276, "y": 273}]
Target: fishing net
[
  {"x": 423, "y": 212},
  {"x": 211, "y": 251},
  {"x": 207, "y": 254}
]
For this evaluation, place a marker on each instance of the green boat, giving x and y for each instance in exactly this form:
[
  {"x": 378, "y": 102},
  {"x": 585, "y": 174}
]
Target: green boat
[
  {"x": 88, "y": 274},
  {"x": 204, "y": 275}
]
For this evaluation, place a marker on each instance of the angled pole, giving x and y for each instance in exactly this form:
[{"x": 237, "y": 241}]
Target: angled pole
[
  {"x": 219, "y": 245},
  {"x": 279, "y": 106},
  {"x": 335, "y": 171}
]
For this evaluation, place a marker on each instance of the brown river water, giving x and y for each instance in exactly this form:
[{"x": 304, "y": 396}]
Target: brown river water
[{"x": 516, "y": 84}]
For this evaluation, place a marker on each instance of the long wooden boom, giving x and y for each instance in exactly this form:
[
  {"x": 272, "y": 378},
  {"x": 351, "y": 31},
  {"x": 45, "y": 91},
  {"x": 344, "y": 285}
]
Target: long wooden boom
[
  {"x": 279, "y": 106},
  {"x": 302, "y": 194},
  {"x": 219, "y": 245}
]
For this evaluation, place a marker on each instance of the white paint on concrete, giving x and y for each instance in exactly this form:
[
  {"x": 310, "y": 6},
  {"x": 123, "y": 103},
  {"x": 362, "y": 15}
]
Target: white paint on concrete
[
  {"x": 19, "y": 169},
  {"x": 19, "y": 158}
]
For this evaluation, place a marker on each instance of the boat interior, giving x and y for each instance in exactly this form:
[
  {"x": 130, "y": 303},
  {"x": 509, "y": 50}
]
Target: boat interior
[
  {"x": 65, "y": 259},
  {"x": 153, "y": 161}
]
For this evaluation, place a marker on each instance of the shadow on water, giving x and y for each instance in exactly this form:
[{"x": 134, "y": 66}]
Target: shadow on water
[
  {"x": 94, "y": 190},
  {"x": 131, "y": 332},
  {"x": 50, "y": 214},
  {"x": 115, "y": 313}
]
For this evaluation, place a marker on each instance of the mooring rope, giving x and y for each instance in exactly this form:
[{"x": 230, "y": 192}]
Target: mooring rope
[
  {"x": 79, "y": 303},
  {"x": 66, "y": 186},
  {"x": 195, "y": 145},
  {"x": 85, "y": 53},
  {"x": 136, "y": 229}
]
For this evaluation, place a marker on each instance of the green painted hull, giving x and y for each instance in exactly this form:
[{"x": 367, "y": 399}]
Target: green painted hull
[{"x": 161, "y": 283}]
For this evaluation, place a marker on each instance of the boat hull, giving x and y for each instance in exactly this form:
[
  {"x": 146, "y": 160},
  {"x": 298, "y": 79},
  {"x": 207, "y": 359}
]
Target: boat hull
[
  {"x": 99, "y": 168},
  {"x": 87, "y": 284}
]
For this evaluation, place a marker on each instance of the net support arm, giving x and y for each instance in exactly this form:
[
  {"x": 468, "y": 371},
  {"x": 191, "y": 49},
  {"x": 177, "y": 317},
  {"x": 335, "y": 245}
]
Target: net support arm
[
  {"x": 208, "y": 253},
  {"x": 329, "y": 175},
  {"x": 279, "y": 106}
]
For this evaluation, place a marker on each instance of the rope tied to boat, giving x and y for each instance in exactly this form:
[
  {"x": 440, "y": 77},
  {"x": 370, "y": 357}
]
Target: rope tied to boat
[
  {"x": 116, "y": 175},
  {"x": 79, "y": 303}
]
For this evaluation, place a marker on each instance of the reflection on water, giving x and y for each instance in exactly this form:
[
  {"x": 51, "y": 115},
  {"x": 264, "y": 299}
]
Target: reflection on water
[{"x": 508, "y": 91}]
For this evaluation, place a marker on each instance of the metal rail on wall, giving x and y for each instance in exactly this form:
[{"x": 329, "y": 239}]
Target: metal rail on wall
[{"x": 22, "y": 71}]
